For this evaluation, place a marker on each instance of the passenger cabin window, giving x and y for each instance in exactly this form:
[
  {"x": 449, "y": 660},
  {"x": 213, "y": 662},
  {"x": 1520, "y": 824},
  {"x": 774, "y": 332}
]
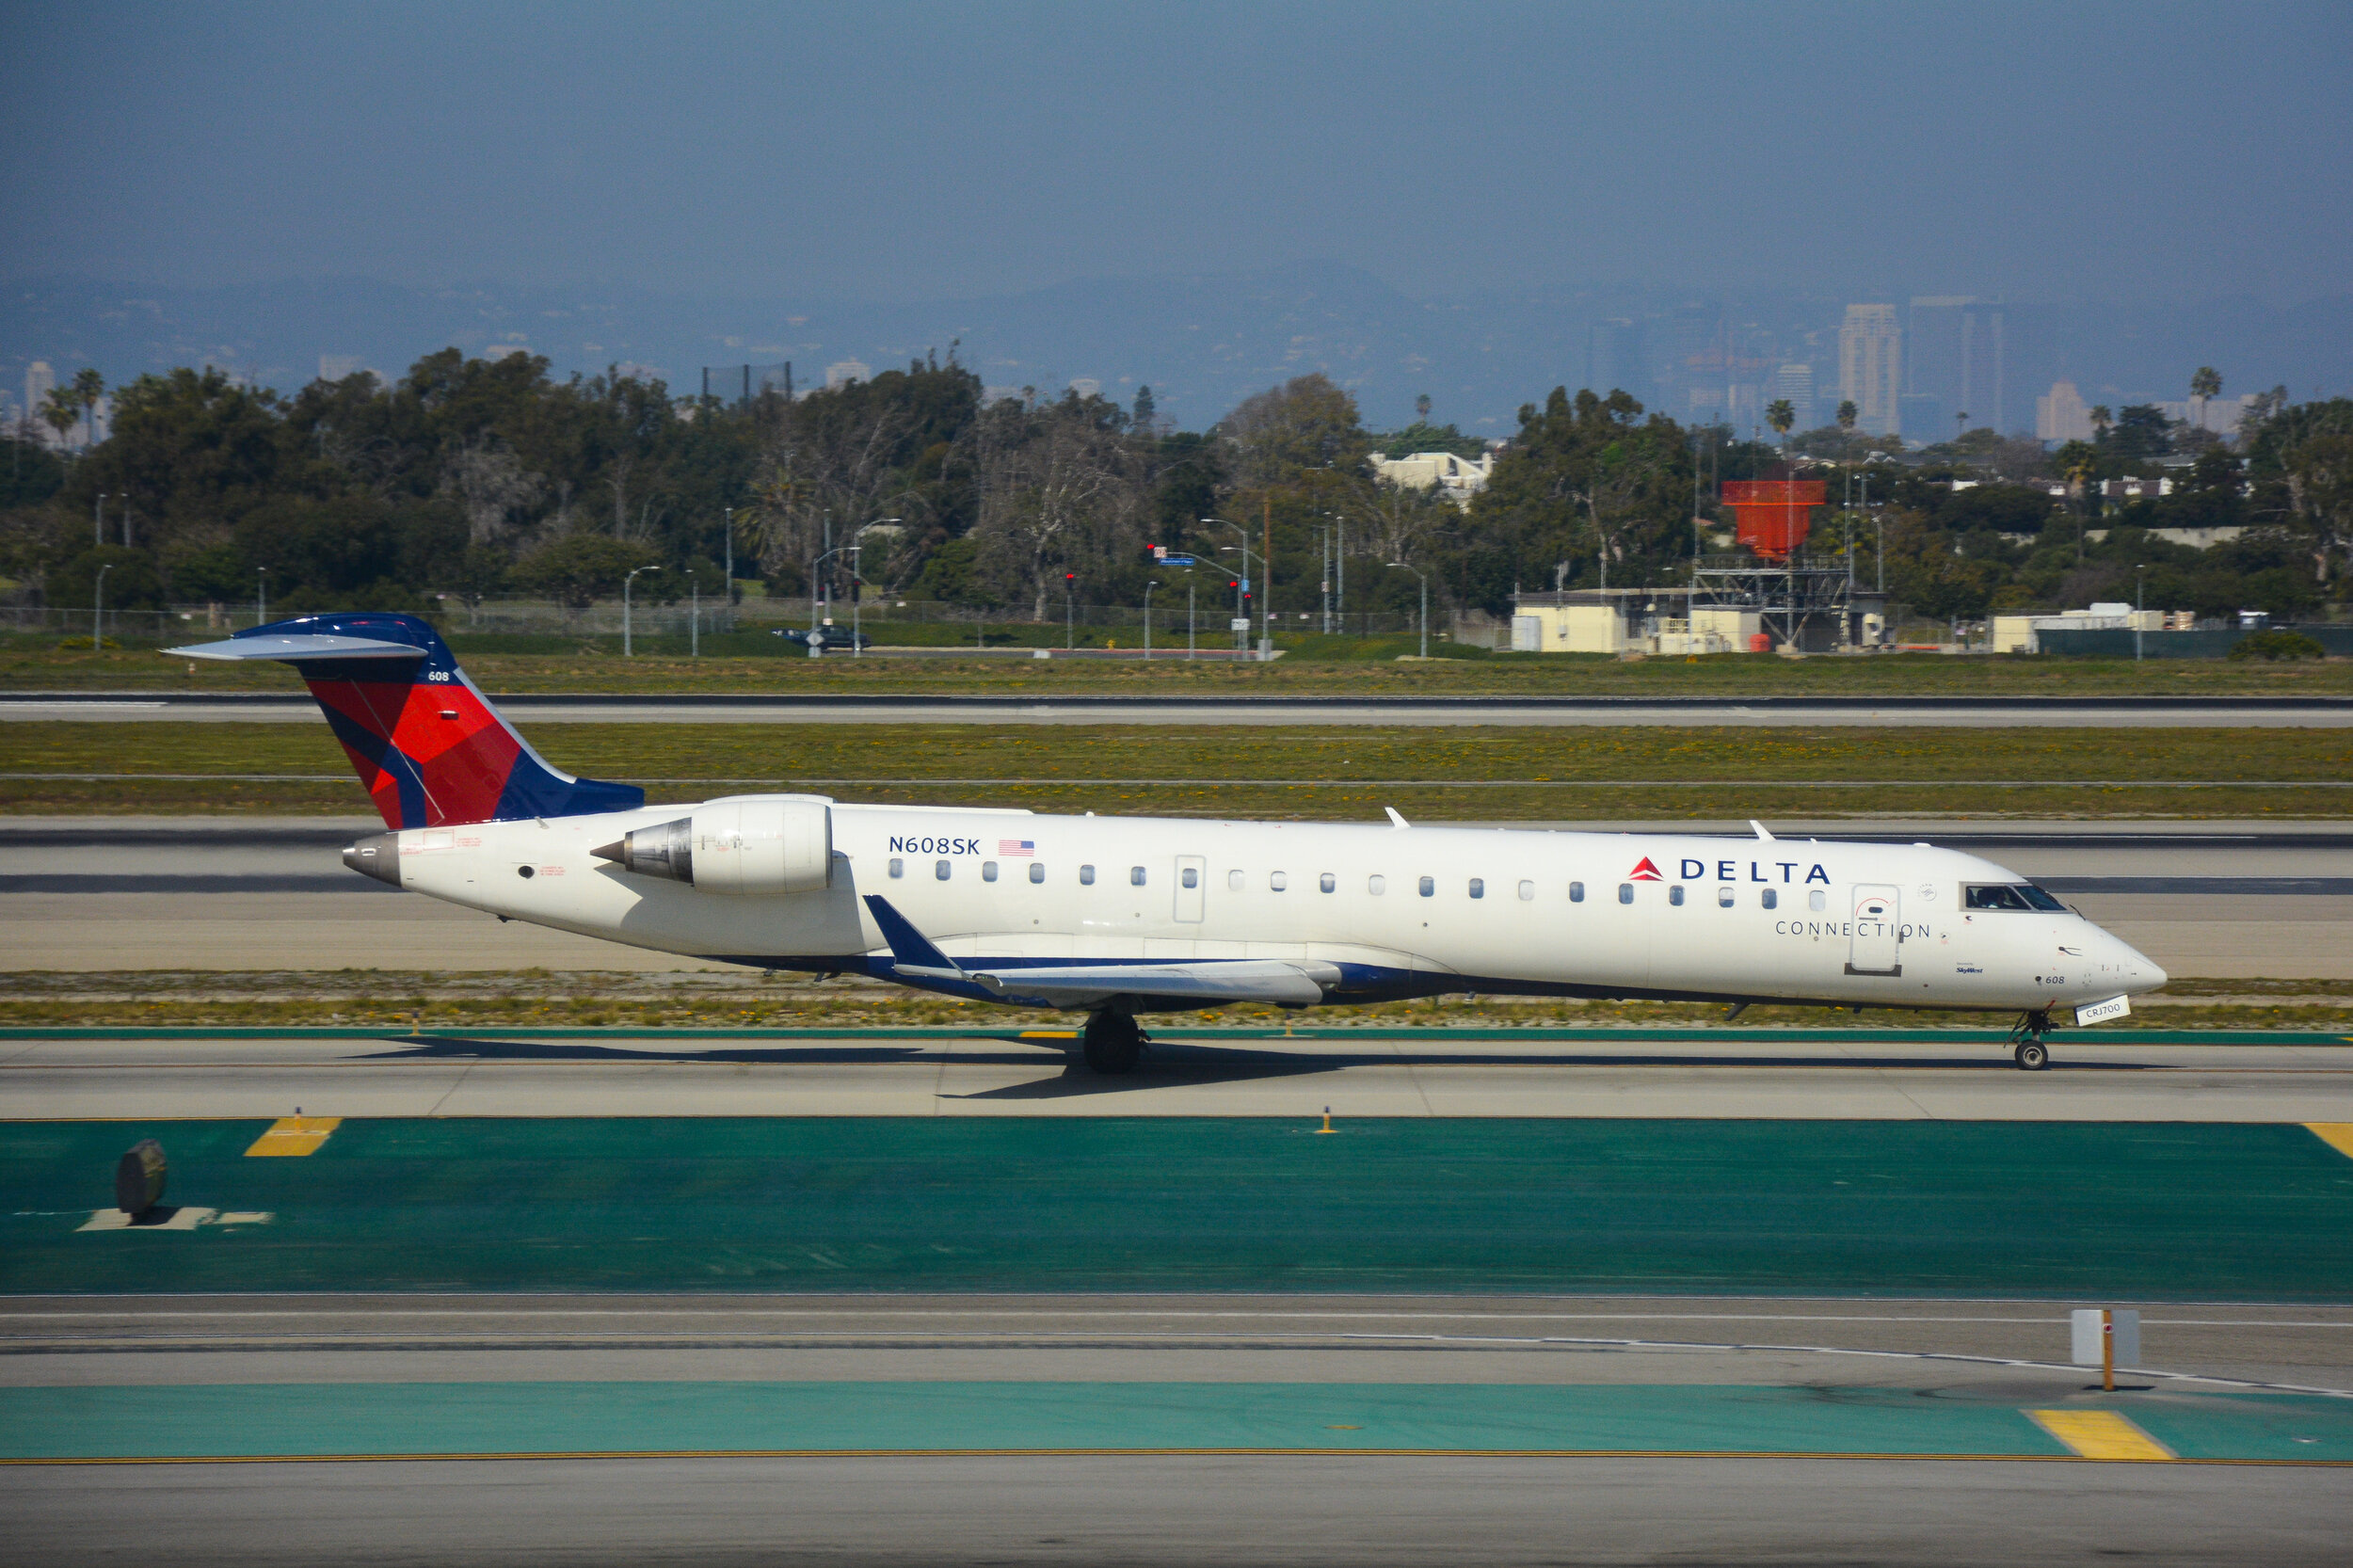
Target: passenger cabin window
[
  {"x": 1327, "y": 882},
  {"x": 1135, "y": 876},
  {"x": 1233, "y": 882},
  {"x": 1674, "y": 893},
  {"x": 1376, "y": 885},
  {"x": 898, "y": 868},
  {"x": 1428, "y": 886},
  {"x": 1772, "y": 897},
  {"x": 988, "y": 871},
  {"x": 1625, "y": 893},
  {"x": 1086, "y": 876},
  {"x": 1528, "y": 891},
  {"x": 1479, "y": 887},
  {"x": 1817, "y": 900},
  {"x": 1723, "y": 897},
  {"x": 1276, "y": 881},
  {"x": 1037, "y": 871},
  {"x": 941, "y": 868},
  {"x": 1190, "y": 876},
  {"x": 1577, "y": 892}
]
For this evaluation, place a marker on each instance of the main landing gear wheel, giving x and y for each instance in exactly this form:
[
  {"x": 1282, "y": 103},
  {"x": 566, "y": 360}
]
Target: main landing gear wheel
[
  {"x": 1110, "y": 1044},
  {"x": 2032, "y": 1055}
]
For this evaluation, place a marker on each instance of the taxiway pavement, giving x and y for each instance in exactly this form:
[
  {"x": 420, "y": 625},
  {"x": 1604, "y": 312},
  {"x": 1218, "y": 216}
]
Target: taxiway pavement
[{"x": 451, "y": 1073}]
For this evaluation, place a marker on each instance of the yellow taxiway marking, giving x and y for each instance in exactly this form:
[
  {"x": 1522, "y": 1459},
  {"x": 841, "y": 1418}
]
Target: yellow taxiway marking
[
  {"x": 291, "y": 1135},
  {"x": 2099, "y": 1434},
  {"x": 1047, "y": 1034},
  {"x": 2337, "y": 1135}
]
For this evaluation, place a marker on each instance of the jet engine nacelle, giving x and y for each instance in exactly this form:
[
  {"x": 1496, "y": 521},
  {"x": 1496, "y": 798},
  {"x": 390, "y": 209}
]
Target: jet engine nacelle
[{"x": 739, "y": 844}]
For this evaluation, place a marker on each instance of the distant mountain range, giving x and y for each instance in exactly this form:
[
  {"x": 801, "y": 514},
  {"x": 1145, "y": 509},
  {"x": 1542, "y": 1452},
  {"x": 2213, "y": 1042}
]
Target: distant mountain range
[{"x": 1202, "y": 343}]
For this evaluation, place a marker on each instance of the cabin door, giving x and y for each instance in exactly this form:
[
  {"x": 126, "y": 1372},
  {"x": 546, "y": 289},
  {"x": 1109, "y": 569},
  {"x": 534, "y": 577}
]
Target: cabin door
[
  {"x": 1872, "y": 948},
  {"x": 1192, "y": 875}
]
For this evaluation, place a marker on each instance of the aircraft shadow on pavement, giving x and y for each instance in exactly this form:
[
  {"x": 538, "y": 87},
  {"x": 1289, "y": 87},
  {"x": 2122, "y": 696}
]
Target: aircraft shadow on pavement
[
  {"x": 1167, "y": 1062},
  {"x": 1186, "y": 1063},
  {"x": 444, "y": 1048}
]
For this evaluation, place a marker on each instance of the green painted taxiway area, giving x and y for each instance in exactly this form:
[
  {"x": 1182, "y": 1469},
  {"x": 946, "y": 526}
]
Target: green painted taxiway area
[
  {"x": 2137, "y": 1210},
  {"x": 428, "y": 1420}
]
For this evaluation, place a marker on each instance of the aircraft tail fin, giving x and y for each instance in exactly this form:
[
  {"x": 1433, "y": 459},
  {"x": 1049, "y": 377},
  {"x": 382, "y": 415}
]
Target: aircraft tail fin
[{"x": 426, "y": 743}]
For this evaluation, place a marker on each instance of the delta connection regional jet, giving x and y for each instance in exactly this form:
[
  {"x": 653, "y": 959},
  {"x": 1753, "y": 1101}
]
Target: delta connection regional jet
[{"x": 1118, "y": 916}]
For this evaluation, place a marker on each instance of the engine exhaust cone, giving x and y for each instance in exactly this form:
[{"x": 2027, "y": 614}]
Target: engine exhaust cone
[{"x": 665, "y": 850}]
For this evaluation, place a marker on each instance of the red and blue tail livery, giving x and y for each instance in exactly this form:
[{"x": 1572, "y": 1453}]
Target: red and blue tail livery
[{"x": 428, "y": 744}]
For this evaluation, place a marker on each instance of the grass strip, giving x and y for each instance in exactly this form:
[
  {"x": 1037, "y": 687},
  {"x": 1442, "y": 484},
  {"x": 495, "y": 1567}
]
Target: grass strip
[{"x": 1307, "y": 772}]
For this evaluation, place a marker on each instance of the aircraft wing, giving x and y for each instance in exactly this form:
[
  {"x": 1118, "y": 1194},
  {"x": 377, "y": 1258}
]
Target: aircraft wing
[
  {"x": 1193, "y": 984},
  {"x": 1205, "y": 981}
]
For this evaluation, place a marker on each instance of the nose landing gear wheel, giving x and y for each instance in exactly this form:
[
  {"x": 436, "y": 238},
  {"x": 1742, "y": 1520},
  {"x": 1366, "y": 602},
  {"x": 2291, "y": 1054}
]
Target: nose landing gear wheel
[
  {"x": 2032, "y": 1055},
  {"x": 1111, "y": 1043}
]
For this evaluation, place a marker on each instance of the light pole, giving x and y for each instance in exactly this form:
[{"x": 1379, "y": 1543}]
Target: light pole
[
  {"x": 98, "y": 518},
  {"x": 693, "y": 616},
  {"x": 260, "y": 596},
  {"x": 2140, "y": 583},
  {"x": 1192, "y": 647},
  {"x": 97, "y": 605},
  {"x": 1240, "y": 614},
  {"x": 727, "y": 589},
  {"x": 1149, "y": 587},
  {"x": 1425, "y": 602},
  {"x": 857, "y": 576},
  {"x": 627, "y": 649}
]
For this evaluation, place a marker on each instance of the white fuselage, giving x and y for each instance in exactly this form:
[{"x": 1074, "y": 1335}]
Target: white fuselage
[{"x": 1400, "y": 911}]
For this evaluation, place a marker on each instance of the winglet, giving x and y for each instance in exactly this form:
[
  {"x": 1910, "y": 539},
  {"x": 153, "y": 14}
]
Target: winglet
[
  {"x": 1760, "y": 831},
  {"x": 909, "y": 948},
  {"x": 1396, "y": 821}
]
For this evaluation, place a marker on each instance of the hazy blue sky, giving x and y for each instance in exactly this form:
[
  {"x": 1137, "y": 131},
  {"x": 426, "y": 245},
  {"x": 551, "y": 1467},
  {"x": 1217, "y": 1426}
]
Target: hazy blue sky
[{"x": 880, "y": 150}]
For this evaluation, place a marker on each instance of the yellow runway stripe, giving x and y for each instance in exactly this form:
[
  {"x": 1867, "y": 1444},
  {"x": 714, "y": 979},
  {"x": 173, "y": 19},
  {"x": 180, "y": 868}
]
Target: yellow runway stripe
[
  {"x": 2337, "y": 1135},
  {"x": 2099, "y": 1434},
  {"x": 291, "y": 1135}
]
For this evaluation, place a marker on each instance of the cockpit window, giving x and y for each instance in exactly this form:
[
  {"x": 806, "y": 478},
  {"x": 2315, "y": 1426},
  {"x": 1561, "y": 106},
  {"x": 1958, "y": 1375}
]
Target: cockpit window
[{"x": 2010, "y": 895}]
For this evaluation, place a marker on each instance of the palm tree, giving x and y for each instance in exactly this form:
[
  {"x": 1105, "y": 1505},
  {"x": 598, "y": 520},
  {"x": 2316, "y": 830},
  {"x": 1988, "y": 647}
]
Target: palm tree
[
  {"x": 2205, "y": 384},
  {"x": 61, "y": 412},
  {"x": 1781, "y": 416},
  {"x": 1848, "y": 414},
  {"x": 89, "y": 387},
  {"x": 2101, "y": 419}
]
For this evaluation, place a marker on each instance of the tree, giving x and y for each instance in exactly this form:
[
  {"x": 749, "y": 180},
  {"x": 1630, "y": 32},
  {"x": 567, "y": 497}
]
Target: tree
[
  {"x": 1147, "y": 411},
  {"x": 61, "y": 412},
  {"x": 1780, "y": 415},
  {"x": 1061, "y": 494},
  {"x": 89, "y": 387},
  {"x": 578, "y": 570},
  {"x": 2142, "y": 432},
  {"x": 1306, "y": 422},
  {"x": 1848, "y": 415},
  {"x": 2101, "y": 419},
  {"x": 1421, "y": 409}
]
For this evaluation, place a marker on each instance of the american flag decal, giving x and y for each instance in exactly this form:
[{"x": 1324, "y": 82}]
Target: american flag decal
[{"x": 1013, "y": 849}]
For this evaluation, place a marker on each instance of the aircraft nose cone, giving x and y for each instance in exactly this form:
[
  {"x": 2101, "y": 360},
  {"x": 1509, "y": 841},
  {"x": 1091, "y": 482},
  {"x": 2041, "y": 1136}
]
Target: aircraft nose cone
[{"x": 377, "y": 855}]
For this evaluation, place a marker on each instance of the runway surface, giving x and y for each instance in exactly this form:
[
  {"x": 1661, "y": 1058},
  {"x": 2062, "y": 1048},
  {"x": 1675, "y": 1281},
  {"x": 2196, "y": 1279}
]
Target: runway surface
[
  {"x": 2138, "y": 712},
  {"x": 2214, "y": 899}
]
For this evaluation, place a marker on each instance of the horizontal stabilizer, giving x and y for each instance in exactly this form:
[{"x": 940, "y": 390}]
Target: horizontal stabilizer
[{"x": 299, "y": 648}]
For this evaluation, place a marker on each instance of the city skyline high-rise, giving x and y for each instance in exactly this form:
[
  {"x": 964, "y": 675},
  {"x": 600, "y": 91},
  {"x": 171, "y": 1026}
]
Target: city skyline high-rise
[{"x": 1871, "y": 367}]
